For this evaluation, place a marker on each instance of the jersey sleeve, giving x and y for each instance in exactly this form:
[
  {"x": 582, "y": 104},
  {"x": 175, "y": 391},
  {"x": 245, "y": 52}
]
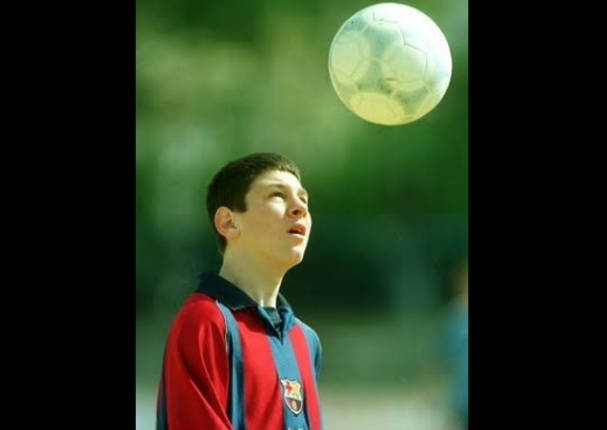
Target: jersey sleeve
[
  {"x": 317, "y": 355},
  {"x": 193, "y": 390},
  {"x": 315, "y": 347}
]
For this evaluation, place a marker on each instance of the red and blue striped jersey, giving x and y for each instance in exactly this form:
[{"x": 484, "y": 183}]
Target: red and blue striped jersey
[{"x": 228, "y": 365}]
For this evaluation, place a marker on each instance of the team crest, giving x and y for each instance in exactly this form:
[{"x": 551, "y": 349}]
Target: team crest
[{"x": 292, "y": 395}]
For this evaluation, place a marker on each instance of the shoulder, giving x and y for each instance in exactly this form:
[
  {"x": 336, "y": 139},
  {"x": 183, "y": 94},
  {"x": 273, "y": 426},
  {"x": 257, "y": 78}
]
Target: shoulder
[
  {"x": 199, "y": 313},
  {"x": 309, "y": 332}
]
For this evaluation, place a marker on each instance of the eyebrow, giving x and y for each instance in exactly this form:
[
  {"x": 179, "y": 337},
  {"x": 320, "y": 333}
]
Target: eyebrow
[{"x": 284, "y": 187}]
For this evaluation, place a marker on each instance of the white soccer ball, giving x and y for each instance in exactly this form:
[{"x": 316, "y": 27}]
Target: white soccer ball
[{"x": 390, "y": 64}]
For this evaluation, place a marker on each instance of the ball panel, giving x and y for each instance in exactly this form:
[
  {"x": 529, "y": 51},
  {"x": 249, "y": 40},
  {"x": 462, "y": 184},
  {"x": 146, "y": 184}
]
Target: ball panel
[
  {"x": 412, "y": 101},
  {"x": 377, "y": 108},
  {"x": 407, "y": 64},
  {"x": 350, "y": 57}
]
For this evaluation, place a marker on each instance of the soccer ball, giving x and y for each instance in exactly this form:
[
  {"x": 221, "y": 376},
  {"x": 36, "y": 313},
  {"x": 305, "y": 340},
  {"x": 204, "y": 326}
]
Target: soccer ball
[{"x": 390, "y": 64}]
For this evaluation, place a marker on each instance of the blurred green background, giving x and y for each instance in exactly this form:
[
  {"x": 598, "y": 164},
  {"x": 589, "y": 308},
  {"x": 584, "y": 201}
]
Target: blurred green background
[{"x": 385, "y": 268}]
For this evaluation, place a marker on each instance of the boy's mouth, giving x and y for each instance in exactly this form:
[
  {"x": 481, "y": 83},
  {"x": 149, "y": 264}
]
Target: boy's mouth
[{"x": 298, "y": 228}]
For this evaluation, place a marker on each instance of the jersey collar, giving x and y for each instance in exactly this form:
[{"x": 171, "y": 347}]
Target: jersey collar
[{"x": 230, "y": 295}]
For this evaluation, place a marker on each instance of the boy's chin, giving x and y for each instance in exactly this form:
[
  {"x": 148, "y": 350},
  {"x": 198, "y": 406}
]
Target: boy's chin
[{"x": 296, "y": 256}]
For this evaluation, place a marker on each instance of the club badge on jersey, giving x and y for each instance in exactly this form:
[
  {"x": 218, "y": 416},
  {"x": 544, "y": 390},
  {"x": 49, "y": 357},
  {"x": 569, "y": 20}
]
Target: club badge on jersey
[{"x": 292, "y": 395}]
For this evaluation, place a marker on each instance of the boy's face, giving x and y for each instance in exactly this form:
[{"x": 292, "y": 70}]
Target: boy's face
[{"x": 276, "y": 225}]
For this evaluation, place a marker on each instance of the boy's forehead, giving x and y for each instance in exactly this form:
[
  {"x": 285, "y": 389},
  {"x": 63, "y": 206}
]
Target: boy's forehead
[{"x": 276, "y": 177}]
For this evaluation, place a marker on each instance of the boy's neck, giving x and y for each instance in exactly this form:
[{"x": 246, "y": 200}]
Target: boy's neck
[{"x": 258, "y": 282}]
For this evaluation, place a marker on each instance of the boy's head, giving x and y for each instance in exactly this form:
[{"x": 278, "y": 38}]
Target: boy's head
[{"x": 277, "y": 195}]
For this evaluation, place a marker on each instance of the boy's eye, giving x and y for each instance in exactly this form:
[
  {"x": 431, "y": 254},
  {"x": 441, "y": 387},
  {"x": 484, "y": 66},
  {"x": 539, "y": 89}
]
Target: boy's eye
[{"x": 284, "y": 196}]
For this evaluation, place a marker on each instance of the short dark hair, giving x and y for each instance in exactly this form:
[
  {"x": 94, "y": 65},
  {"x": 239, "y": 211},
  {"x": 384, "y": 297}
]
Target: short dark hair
[{"x": 231, "y": 184}]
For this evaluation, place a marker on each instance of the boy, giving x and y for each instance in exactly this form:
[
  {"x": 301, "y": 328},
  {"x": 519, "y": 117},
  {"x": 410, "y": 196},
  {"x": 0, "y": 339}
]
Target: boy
[{"x": 236, "y": 357}]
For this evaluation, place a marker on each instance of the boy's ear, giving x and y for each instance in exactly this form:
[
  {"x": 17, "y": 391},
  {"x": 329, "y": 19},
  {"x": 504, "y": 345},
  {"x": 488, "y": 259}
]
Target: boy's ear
[{"x": 224, "y": 223}]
